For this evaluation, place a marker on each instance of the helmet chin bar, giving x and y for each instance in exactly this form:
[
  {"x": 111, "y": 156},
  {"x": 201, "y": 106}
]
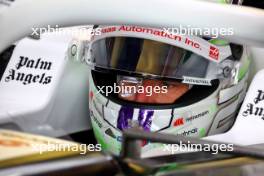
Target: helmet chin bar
[{"x": 130, "y": 12}]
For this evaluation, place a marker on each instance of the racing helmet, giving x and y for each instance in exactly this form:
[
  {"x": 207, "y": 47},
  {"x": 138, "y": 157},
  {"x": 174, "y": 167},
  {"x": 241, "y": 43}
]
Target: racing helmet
[{"x": 162, "y": 82}]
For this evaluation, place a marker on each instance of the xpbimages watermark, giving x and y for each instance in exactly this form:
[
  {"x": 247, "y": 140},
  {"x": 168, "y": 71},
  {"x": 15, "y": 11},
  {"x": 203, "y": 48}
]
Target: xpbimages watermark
[
  {"x": 190, "y": 30},
  {"x": 66, "y": 147},
  {"x": 189, "y": 147},
  {"x": 80, "y": 31},
  {"x": 128, "y": 90}
]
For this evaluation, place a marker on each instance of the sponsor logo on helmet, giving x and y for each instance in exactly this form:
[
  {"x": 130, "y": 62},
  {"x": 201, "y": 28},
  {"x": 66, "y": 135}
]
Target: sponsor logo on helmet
[
  {"x": 138, "y": 29},
  {"x": 189, "y": 132},
  {"x": 214, "y": 53},
  {"x": 197, "y": 116},
  {"x": 99, "y": 124},
  {"x": 197, "y": 81},
  {"x": 109, "y": 29},
  {"x": 179, "y": 122},
  {"x": 97, "y": 109},
  {"x": 252, "y": 109}
]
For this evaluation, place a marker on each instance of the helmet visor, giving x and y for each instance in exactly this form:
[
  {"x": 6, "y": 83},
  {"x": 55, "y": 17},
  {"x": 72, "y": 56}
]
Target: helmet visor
[{"x": 143, "y": 56}]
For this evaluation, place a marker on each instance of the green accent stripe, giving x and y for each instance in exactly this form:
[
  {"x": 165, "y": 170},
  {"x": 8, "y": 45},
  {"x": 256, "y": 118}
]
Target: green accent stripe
[
  {"x": 244, "y": 69},
  {"x": 223, "y": 1},
  {"x": 100, "y": 138},
  {"x": 219, "y": 42}
]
